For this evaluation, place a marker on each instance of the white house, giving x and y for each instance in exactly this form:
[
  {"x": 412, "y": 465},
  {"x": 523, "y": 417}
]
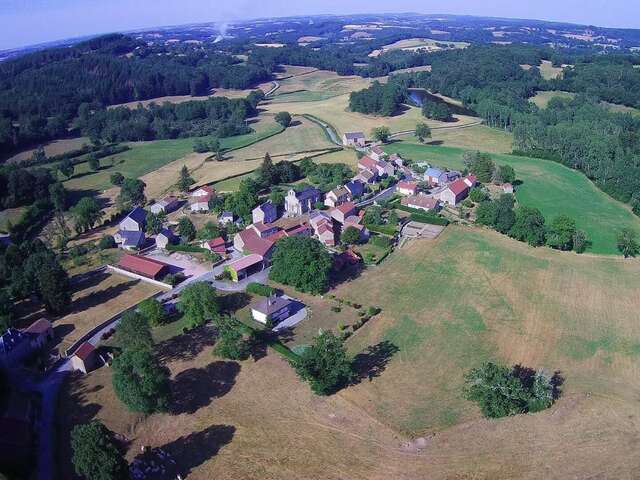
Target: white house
[
  {"x": 271, "y": 309},
  {"x": 166, "y": 205},
  {"x": 407, "y": 188},
  {"x": 353, "y": 139},
  {"x": 266, "y": 212},
  {"x": 199, "y": 198},
  {"x": 299, "y": 203},
  {"x": 337, "y": 196},
  {"x": 377, "y": 153},
  {"x": 135, "y": 221}
]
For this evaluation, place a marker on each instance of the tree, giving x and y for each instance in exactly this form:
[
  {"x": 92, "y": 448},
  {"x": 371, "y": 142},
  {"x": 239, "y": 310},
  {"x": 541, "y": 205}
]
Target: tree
[
  {"x": 38, "y": 156},
  {"x": 184, "y": 179},
  {"x": 373, "y": 215},
  {"x": 480, "y": 164},
  {"x": 131, "y": 194},
  {"x": 267, "y": 173},
  {"x": 7, "y": 314},
  {"x": 528, "y": 226},
  {"x": 94, "y": 163},
  {"x": 186, "y": 229},
  {"x": 51, "y": 281},
  {"x": 283, "y": 118},
  {"x": 277, "y": 197},
  {"x": 505, "y": 218},
  {"x": 140, "y": 382},
  {"x": 155, "y": 222},
  {"x": 561, "y": 232},
  {"x": 302, "y": 262},
  {"x": 116, "y": 179},
  {"x": 66, "y": 168},
  {"x": 580, "y": 241},
  {"x": 58, "y": 196},
  {"x": 231, "y": 343},
  {"x": 503, "y": 174},
  {"x": 381, "y": 134},
  {"x": 209, "y": 231},
  {"x": 478, "y": 195},
  {"x": 350, "y": 236},
  {"x": 86, "y": 213},
  {"x": 436, "y": 110},
  {"x": 627, "y": 243},
  {"x": 106, "y": 242},
  {"x": 133, "y": 332},
  {"x": 153, "y": 311},
  {"x": 325, "y": 364},
  {"x": 199, "y": 304},
  {"x": 422, "y": 132},
  {"x": 96, "y": 455}
]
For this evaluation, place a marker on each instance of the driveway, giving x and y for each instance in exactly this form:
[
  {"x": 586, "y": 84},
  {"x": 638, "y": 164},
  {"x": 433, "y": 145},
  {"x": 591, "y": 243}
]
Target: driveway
[{"x": 182, "y": 262}]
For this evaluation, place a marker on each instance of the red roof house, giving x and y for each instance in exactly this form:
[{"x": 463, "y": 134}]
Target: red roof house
[
  {"x": 217, "y": 245},
  {"x": 143, "y": 266},
  {"x": 455, "y": 192},
  {"x": 342, "y": 212},
  {"x": 407, "y": 188}
]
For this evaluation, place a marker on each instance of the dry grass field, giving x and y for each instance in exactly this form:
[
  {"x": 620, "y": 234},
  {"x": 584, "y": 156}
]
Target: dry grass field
[
  {"x": 335, "y": 111},
  {"x": 419, "y": 44},
  {"x": 55, "y": 147},
  {"x": 447, "y": 304},
  {"x": 314, "y": 85},
  {"x": 542, "y": 98},
  {"x": 479, "y": 137}
]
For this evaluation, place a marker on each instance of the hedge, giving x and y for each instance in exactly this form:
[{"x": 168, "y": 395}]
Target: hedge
[
  {"x": 186, "y": 248},
  {"x": 260, "y": 289},
  {"x": 384, "y": 229},
  {"x": 431, "y": 219}
]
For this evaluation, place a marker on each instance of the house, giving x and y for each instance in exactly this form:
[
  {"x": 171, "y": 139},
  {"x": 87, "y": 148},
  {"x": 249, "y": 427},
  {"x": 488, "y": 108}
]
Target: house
[
  {"x": 225, "y": 218},
  {"x": 300, "y": 229},
  {"x": 245, "y": 266},
  {"x": 199, "y": 198},
  {"x": 323, "y": 228},
  {"x": 271, "y": 309},
  {"x": 248, "y": 241},
  {"x": 367, "y": 163},
  {"x": 407, "y": 188},
  {"x": 470, "y": 180},
  {"x": 265, "y": 213},
  {"x": 299, "y": 203},
  {"x": 377, "y": 153},
  {"x": 143, "y": 266},
  {"x": 166, "y": 205},
  {"x": 385, "y": 169},
  {"x": 14, "y": 347},
  {"x": 356, "y": 222},
  {"x": 135, "y": 221},
  {"x": 507, "y": 188},
  {"x": 264, "y": 231},
  {"x": 405, "y": 173},
  {"x": 433, "y": 176},
  {"x": 342, "y": 212},
  {"x": 353, "y": 139},
  {"x": 365, "y": 177},
  {"x": 217, "y": 245},
  {"x": 355, "y": 187},
  {"x": 420, "y": 202},
  {"x": 396, "y": 160},
  {"x": 130, "y": 239},
  {"x": 337, "y": 196},
  {"x": 39, "y": 332},
  {"x": 455, "y": 192},
  {"x": 166, "y": 237},
  {"x": 85, "y": 359}
]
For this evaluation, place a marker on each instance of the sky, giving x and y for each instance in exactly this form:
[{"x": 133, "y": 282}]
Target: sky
[{"x": 28, "y": 22}]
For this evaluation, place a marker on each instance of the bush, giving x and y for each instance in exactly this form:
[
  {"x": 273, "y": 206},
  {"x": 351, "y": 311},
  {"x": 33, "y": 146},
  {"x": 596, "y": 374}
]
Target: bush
[
  {"x": 430, "y": 219},
  {"x": 336, "y": 309},
  {"x": 106, "y": 242},
  {"x": 372, "y": 311},
  {"x": 174, "y": 279},
  {"x": 186, "y": 248},
  {"x": 260, "y": 289}
]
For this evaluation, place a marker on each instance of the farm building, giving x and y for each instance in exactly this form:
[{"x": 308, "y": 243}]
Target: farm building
[
  {"x": 455, "y": 192},
  {"x": 420, "y": 202},
  {"x": 199, "y": 198},
  {"x": 135, "y": 221},
  {"x": 299, "y": 203},
  {"x": 266, "y": 212},
  {"x": 471, "y": 181},
  {"x": 85, "y": 359},
  {"x": 353, "y": 139},
  {"x": 271, "y": 309},
  {"x": 166, "y": 205},
  {"x": 245, "y": 266},
  {"x": 407, "y": 188},
  {"x": 166, "y": 237},
  {"x": 143, "y": 266},
  {"x": 248, "y": 241},
  {"x": 130, "y": 239}
]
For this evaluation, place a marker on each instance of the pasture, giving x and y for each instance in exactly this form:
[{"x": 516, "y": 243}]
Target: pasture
[
  {"x": 55, "y": 147},
  {"x": 542, "y": 98},
  {"x": 550, "y": 187},
  {"x": 413, "y": 44},
  {"x": 445, "y": 311},
  {"x": 315, "y": 85}
]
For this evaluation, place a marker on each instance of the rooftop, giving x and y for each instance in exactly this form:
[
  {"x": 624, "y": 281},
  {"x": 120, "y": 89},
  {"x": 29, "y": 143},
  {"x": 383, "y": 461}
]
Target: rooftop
[
  {"x": 245, "y": 262},
  {"x": 354, "y": 135},
  {"x": 141, "y": 265},
  {"x": 458, "y": 186},
  {"x": 84, "y": 351},
  {"x": 270, "y": 305},
  {"x": 39, "y": 326},
  {"x": 138, "y": 214}
]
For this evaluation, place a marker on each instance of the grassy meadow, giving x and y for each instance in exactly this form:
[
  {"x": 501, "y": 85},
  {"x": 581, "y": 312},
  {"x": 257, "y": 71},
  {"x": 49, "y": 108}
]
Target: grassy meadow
[{"x": 550, "y": 187}]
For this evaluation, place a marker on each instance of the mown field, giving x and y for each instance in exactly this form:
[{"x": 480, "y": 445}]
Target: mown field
[
  {"x": 315, "y": 85},
  {"x": 447, "y": 304},
  {"x": 55, "y": 147},
  {"x": 550, "y": 187},
  {"x": 542, "y": 98}
]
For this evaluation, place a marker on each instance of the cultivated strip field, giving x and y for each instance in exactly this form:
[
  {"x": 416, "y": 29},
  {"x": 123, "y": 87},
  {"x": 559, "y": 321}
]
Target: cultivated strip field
[{"x": 550, "y": 187}]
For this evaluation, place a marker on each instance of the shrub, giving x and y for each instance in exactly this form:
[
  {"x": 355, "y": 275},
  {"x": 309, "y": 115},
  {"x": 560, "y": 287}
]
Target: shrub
[
  {"x": 260, "y": 289},
  {"x": 336, "y": 309},
  {"x": 173, "y": 279},
  {"x": 372, "y": 311}
]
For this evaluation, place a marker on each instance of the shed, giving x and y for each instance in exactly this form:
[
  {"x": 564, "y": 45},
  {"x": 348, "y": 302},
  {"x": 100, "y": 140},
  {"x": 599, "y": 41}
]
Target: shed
[
  {"x": 143, "y": 266},
  {"x": 85, "y": 358},
  {"x": 244, "y": 266}
]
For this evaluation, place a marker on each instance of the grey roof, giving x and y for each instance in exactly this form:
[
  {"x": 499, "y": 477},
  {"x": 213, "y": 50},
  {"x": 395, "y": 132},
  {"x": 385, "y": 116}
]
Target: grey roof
[
  {"x": 269, "y": 305},
  {"x": 167, "y": 233},
  {"x": 131, "y": 238},
  {"x": 267, "y": 206},
  {"x": 226, "y": 214},
  {"x": 139, "y": 215},
  {"x": 307, "y": 193},
  {"x": 354, "y": 135}
]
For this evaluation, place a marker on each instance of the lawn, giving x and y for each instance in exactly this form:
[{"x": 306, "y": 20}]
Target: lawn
[
  {"x": 313, "y": 85},
  {"x": 550, "y": 187},
  {"x": 542, "y": 98}
]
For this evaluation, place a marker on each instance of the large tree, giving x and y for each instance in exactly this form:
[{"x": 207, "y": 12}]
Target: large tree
[
  {"x": 561, "y": 232},
  {"x": 199, "y": 304},
  {"x": 422, "y": 132},
  {"x": 302, "y": 262},
  {"x": 86, "y": 213},
  {"x": 131, "y": 194},
  {"x": 155, "y": 222},
  {"x": 96, "y": 455},
  {"x": 528, "y": 226},
  {"x": 231, "y": 342},
  {"x": 153, "y": 311},
  {"x": 627, "y": 242},
  {"x": 186, "y": 229},
  {"x": 184, "y": 179},
  {"x": 325, "y": 364},
  {"x": 140, "y": 382},
  {"x": 133, "y": 332},
  {"x": 283, "y": 118},
  {"x": 49, "y": 280},
  {"x": 381, "y": 134}
]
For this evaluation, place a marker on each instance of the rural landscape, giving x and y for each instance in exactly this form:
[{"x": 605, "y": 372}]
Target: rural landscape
[{"x": 396, "y": 246}]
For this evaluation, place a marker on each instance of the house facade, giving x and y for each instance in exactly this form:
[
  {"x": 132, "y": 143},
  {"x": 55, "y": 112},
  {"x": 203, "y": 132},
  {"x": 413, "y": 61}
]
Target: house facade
[
  {"x": 199, "y": 198},
  {"x": 407, "y": 188},
  {"x": 299, "y": 203},
  {"x": 165, "y": 237},
  {"x": 353, "y": 139},
  {"x": 135, "y": 221},
  {"x": 455, "y": 192},
  {"x": 265, "y": 213},
  {"x": 271, "y": 309},
  {"x": 337, "y": 196},
  {"x": 377, "y": 153},
  {"x": 166, "y": 205},
  {"x": 85, "y": 359},
  {"x": 420, "y": 202}
]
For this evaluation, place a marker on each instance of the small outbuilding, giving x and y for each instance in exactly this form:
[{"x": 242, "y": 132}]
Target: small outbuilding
[
  {"x": 143, "y": 266},
  {"x": 85, "y": 359},
  {"x": 244, "y": 266}
]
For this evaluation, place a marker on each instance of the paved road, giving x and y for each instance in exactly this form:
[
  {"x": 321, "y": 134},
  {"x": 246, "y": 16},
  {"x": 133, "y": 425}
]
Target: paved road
[
  {"x": 384, "y": 194},
  {"x": 275, "y": 87}
]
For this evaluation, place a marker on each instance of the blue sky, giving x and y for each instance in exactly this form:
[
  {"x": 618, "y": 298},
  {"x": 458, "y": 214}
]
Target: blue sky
[{"x": 26, "y": 22}]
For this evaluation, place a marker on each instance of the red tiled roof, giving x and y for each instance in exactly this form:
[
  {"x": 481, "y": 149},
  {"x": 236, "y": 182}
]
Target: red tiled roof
[
  {"x": 278, "y": 235},
  {"x": 254, "y": 244},
  {"x": 245, "y": 262},
  {"x": 39, "y": 326},
  {"x": 420, "y": 201},
  {"x": 377, "y": 149},
  {"x": 261, "y": 227},
  {"x": 472, "y": 179},
  {"x": 205, "y": 188},
  {"x": 217, "y": 245},
  {"x": 201, "y": 198},
  {"x": 144, "y": 266},
  {"x": 458, "y": 187},
  {"x": 346, "y": 207},
  {"x": 367, "y": 162},
  {"x": 407, "y": 185},
  {"x": 84, "y": 351}
]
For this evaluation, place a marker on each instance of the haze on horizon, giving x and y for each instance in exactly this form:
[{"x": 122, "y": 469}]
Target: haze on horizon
[{"x": 29, "y": 22}]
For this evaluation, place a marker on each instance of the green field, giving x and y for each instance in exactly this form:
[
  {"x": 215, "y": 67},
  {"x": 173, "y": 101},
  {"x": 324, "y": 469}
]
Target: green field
[
  {"x": 548, "y": 186},
  {"x": 145, "y": 157},
  {"x": 542, "y": 98},
  {"x": 474, "y": 295}
]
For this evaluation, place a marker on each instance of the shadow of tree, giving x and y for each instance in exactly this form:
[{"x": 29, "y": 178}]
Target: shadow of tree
[
  {"x": 234, "y": 301},
  {"x": 195, "y": 388},
  {"x": 186, "y": 346},
  {"x": 373, "y": 361},
  {"x": 101, "y": 296},
  {"x": 87, "y": 280},
  {"x": 181, "y": 456}
]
